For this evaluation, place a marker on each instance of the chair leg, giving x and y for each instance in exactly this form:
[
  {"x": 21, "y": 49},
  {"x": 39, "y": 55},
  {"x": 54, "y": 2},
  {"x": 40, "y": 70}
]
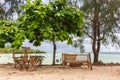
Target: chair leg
[
  {"x": 90, "y": 66},
  {"x": 63, "y": 64}
]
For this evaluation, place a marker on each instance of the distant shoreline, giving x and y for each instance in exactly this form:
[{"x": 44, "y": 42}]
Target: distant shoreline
[{"x": 7, "y": 50}]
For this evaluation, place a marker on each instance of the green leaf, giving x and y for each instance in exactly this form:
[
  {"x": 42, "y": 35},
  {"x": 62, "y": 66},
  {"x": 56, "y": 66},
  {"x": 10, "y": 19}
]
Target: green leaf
[
  {"x": 1, "y": 31},
  {"x": 57, "y": 14},
  {"x": 69, "y": 42},
  {"x": 45, "y": 34}
]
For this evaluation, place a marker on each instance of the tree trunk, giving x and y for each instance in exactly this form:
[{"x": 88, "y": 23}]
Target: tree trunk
[
  {"x": 96, "y": 37},
  {"x": 95, "y": 51},
  {"x": 96, "y": 59},
  {"x": 54, "y": 47}
]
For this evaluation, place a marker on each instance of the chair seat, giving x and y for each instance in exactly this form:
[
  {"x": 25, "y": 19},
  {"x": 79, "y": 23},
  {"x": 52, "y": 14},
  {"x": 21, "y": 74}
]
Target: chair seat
[{"x": 76, "y": 61}]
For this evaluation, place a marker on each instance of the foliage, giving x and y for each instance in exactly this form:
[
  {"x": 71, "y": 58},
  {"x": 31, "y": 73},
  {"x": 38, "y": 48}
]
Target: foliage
[
  {"x": 79, "y": 43},
  {"x": 101, "y": 22},
  {"x": 39, "y": 19},
  {"x": 7, "y": 32},
  {"x": 106, "y": 15}
]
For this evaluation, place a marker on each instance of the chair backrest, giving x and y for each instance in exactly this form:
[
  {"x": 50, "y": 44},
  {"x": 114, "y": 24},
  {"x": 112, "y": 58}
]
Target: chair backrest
[
  {"x": 25, "y": 53},
  {"x": 69, "y": 56},
  {"x": 78, "y": 57}
]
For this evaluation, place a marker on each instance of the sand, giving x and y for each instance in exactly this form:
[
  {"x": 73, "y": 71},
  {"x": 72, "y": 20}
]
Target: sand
[{"x": 58, "y": 73}]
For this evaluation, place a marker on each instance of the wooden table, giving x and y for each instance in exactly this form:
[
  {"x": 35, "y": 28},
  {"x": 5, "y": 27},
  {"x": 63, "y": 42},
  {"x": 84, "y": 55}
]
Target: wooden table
[{"x": 28, "y": 63}]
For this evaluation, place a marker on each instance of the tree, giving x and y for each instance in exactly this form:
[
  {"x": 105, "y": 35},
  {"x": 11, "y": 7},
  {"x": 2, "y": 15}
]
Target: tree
[
  {"x": 54, "y": 21},
  {"x": 101, "y": 22},
  {"x": 8, "y": 10}
]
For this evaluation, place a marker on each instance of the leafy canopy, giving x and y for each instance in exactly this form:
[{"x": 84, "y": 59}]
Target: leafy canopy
[
  {"x": 7, "y": 32},
  {"x": 39, "y": 20}
]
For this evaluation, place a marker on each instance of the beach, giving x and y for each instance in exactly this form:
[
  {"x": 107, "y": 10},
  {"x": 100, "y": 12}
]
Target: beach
[
  {"x": 8, "y": 72},
  {"x": 108, "y": 71}
]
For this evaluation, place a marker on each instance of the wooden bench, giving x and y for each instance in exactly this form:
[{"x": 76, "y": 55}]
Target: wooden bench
[{"x": 76, "y": 59}]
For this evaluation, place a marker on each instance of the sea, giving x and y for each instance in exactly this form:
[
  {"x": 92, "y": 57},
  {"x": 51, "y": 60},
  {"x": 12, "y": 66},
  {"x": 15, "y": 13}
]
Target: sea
[{"x": 106, "y": 57}]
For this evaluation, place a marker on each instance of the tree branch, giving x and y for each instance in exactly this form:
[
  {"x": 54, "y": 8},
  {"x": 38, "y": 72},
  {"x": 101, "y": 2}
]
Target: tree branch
[
  {"x": 2, "y": 5},
  {"x": 89, "y": 35}
]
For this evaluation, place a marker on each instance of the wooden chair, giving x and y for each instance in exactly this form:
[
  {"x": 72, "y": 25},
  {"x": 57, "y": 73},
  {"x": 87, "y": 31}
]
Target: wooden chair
[
  {"x": 24, "y": 62},
  {"x": 76, "y": 59},
  {"x": 21, "y": 62}
]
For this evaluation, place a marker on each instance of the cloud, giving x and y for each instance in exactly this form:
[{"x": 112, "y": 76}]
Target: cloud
[
  {"x": 2, "y": 1},
  {"x": 48, "y": 46}
]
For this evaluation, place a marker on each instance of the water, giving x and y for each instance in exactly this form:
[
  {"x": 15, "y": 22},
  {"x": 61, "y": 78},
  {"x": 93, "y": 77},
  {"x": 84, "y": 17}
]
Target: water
[{"x": 106, "y": 57}]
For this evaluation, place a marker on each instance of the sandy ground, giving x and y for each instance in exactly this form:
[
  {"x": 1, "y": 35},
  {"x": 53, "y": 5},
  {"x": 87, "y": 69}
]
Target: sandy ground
[{"x": 59, "y": 73}]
